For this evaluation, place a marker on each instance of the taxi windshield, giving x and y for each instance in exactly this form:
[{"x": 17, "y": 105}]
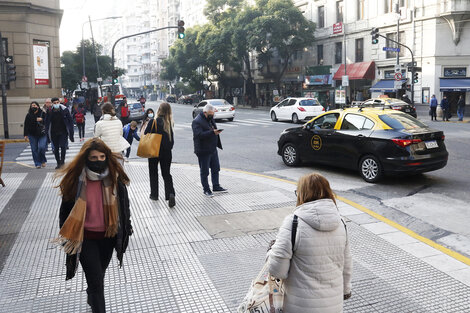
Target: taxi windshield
[
  {"x": 401, "y": 121},
  {"x": 308, "y": 102}
]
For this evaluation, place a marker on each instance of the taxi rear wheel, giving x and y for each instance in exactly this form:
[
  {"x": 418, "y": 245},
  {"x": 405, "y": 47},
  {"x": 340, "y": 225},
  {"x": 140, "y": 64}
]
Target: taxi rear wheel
[
  {"x": 295, "y": 118},
  {"x": 370, "y": 169},
  {"x": 290, "y": 155}
]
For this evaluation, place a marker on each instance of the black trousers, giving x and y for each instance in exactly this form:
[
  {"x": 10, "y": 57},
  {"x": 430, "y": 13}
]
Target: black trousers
[
  {"x": 165, "y": 164},
  {"x": 433, "y": 113},
  {"x": 81, "y": 130},
  {"x": 95, "y": 258},
  {"x": 60, "y": 143}
]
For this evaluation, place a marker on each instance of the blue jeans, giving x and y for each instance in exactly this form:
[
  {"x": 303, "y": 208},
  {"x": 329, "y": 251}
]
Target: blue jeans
[
  {"x": 461, "y": 113},
  {"x": 38, "y": 149},
  {"x": 207, "y": 161}
]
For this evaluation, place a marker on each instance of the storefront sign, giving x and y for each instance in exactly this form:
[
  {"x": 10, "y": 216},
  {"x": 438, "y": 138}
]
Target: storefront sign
[
  {"x": 41, "y": 64},
  {"x": 318, "y": 80},
  {"x": 455, "y": 72},
  {"x": 340, "y": 96},
  {"x": 338, "y": 28}
]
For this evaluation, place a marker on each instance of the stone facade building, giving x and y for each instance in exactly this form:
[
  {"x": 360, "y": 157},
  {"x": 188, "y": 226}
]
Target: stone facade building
[{"x": 30, "y": 31}]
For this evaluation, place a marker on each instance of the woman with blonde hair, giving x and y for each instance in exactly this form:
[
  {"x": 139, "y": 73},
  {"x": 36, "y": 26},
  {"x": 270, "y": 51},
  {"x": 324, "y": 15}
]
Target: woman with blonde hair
[
  {"x": 163, "y": 124},
  {"x": 94, "y": 216},
  {"x": 317, "y": 270}
]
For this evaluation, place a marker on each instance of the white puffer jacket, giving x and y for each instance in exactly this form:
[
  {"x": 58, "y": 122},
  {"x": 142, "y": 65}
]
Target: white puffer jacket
[
  {"x": 109, "y": 129},
  {"x": 319, "y": 274}
]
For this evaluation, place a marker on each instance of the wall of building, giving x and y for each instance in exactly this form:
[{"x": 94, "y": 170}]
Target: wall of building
[{"x": 23, "y": 22}]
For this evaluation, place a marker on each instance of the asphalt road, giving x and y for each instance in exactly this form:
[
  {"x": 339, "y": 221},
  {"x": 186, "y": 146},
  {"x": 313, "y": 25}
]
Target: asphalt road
[{"x": 435, "y": 205}]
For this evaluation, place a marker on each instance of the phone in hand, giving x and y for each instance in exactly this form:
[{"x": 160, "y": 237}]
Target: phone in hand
[{"x": 220, "y": 130}]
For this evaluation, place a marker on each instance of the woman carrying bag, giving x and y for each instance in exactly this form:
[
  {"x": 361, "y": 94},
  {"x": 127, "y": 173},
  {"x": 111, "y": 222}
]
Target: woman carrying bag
[
  {"x": 35, "y": 133},
  {"x": 149, "y": 115},
  {"x": 317, "y": 270},
  {"x": 94, "y": 215},
  {"x": 163, "y": 125}
]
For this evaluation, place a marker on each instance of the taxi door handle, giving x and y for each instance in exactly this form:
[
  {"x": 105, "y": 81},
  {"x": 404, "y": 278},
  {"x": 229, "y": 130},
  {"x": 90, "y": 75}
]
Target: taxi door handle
[{"x": 329, "y": 134}]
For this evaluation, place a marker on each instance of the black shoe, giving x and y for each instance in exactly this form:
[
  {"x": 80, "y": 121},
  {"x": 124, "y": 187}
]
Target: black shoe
[
  {"x": 208, "y": 193},
  {"x": 219, "y": 189},
  {"x": 172, "y": 202},
  {"x": 57, "y": 167},
  {"x": 155, "y": 198}
]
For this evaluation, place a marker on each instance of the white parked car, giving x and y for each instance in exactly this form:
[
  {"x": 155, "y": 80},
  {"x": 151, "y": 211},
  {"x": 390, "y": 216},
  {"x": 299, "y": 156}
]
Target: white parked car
[
  {"x": 296, "y": 109},
  {"x": 222, "y": 109}
]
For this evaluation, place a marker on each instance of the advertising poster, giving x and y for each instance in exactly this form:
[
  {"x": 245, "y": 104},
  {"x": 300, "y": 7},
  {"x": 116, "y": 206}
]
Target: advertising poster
[{"x": 41, "y": 64}]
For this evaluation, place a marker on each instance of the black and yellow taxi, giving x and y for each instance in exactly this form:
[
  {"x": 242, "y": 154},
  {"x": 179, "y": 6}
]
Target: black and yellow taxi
[{"x": 375, "y": 141}]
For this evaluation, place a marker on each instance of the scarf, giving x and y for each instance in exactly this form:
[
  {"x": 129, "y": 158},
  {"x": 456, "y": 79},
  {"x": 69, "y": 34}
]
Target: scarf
[{"x": 71, "y": 234}]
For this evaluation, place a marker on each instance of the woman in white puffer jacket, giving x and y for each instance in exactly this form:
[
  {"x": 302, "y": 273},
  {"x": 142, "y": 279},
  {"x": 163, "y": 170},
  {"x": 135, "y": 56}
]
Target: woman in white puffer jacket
[
  {"x": 317, "y": 272},
  {"x": 109, "y": 129}
]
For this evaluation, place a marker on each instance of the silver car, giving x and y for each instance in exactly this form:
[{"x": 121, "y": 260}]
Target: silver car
[
  {"x": 136, "y": 111},
  {"x": 223, "y": 109}
]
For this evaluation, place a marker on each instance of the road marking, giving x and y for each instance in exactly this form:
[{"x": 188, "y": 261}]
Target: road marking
[{"x": 377, "y": 216}]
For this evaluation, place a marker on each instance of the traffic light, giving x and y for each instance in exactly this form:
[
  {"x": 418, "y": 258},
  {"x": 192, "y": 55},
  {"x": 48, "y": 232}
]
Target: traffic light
[
  {"x": 415, "y": 78},
  {"x": 11, "y": 72},
  {"x": 181, "y": 29},
  {"x": 115, "y": 76},
  {"x": 375, "y": 35}
]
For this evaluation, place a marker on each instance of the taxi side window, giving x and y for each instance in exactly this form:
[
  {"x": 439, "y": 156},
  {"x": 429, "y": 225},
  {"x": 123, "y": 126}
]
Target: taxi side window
[
  {"x": 356, "y": 122},
  {"x": 327, "y": 121}
]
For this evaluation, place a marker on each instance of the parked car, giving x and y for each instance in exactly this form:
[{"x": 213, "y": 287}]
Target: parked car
[
  {"x": 391, "y": 103},
  {"x": 223, "y": 109},
  {"x": 374, "y": 141},
  {"x": 136, "y": 111},
  {"x": 296, "y": 109},
  {"x": 170, "y": 99}
]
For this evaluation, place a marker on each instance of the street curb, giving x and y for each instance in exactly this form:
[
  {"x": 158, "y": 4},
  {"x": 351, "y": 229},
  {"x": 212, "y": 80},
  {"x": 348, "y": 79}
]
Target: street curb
[{"x": 13, "y": 140}]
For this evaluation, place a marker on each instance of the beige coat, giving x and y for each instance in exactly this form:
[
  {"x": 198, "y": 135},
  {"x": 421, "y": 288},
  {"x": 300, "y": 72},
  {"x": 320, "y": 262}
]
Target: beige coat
[
  {"x": 318, "y": 275},
  {"x": 109, "y": 129}
]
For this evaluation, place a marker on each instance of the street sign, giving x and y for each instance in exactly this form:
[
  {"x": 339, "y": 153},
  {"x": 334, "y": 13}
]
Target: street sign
[
  {"x": 397, "y": 68},
  {"x": 84, "y": 79},
  {"x": 397, "y": 84},
  {"x": 345, "y": 80},
  {"x": 99, "y": 79},
  {"x": 415, "y": 69},
  {"x": 8, "y": 59},
  {"x": 398, "y": 76},
  {"x": 391, "y": 49},
  {"x": 411, "y": 64}
]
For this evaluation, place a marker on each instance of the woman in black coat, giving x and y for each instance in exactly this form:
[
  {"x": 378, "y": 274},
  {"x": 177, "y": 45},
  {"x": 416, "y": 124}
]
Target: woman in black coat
[
  {"x": 35, "y": 133},
  {"x": 163, "y": 125},
  {"x": 94, "y": 216}
]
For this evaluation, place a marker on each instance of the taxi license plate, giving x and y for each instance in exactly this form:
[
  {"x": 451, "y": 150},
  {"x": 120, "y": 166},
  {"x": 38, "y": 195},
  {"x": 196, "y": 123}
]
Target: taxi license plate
[{"x": 431, "y": 144}]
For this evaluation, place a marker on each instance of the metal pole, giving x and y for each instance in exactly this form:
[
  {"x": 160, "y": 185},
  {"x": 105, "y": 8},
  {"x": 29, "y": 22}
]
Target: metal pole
[
  {"x": 6, "y": 133},
  {"x": 83, "y": 51},
  {"x": 124, "y": 37},
  {"x": 345, "y": 56},
  {"x": 96, "y": 56},
  {"x": 398, "y": 39}
]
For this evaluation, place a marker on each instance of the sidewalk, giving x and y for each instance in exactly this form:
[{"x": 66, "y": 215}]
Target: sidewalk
[{"x": 201, "y": 255}]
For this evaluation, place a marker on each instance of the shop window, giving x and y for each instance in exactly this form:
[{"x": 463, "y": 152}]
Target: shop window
[
  {"x": 321, "y": 16},
  {"x": 338, "y": 52},
  {"x": 393, "y": 36},
  {"x": 359, "y": 50},
  {"x": 339, "y": 11},
  {"x": 320, "y": 54}
]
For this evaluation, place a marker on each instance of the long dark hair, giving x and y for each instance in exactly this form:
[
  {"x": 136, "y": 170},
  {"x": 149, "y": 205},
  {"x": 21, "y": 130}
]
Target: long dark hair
[
  {"x": 72, "y": 171},
  {"x": 31, "y": 111}
]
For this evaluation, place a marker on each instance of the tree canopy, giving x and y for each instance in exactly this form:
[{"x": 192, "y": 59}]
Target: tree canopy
[
  {"x": 270, "y": 30},
  {"x": 72, "y": 65}
]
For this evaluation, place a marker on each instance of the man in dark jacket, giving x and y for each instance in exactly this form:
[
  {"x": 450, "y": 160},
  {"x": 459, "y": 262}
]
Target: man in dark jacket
[
  {"x": 59, "y": 127},
  {"x": 461, "y": 108},
  {"x": 445, "y": 109},
  {"x": 206, "y": 141}
]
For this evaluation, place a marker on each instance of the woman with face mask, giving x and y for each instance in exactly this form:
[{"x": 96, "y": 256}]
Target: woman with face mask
[
  {"x": 163, "y": 125},
  {"x": 149, "y": 115},
  {"x": 35, "y": 133},
  {"x": 94, "y": 215}
]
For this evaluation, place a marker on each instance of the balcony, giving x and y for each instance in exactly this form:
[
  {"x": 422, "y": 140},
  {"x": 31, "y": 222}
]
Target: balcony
[{"x": 456, "y": 13}]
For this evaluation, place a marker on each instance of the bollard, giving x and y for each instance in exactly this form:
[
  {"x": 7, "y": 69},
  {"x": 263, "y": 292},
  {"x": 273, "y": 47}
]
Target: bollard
[{"x": 439, "y": 111}]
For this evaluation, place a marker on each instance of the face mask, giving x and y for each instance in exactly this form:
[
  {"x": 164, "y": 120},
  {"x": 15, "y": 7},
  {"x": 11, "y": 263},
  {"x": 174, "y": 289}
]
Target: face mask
[
  {"x": 96, "y": 166},
  {"x": 210, "y": 116},
  {"x": 56, "y": 106},
  {"x": 151, "y": 115},
  {"x": 35, "y": 109}
]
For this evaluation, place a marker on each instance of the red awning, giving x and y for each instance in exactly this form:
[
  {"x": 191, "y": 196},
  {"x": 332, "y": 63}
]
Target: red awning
[{"x": 363, "y": 70}]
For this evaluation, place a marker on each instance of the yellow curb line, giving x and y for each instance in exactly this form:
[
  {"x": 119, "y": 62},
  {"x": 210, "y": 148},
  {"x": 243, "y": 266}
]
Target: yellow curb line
[
  {"x": 379, "y": 217},
  {"x": 20, "y": 163},
  {"x": 13, "y": 140}
]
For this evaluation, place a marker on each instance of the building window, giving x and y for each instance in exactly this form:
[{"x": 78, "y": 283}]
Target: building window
[
  {"x": 402, "y": 3},
  {"x": 393, "y": 36},
  {"x": 387, "y": 6},
  {"x": 359, "y": 50},
  {"x": 320, "y": 54},
  {"x": 339, "y": 11},
  {"x": 321, "y": 16},
  {"x": 338, "y": 52},
  {"x": 360, "y": 9}
]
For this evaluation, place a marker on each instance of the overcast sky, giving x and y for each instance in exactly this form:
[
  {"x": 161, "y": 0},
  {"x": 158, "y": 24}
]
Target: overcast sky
[{"x": 75, "y": 14}]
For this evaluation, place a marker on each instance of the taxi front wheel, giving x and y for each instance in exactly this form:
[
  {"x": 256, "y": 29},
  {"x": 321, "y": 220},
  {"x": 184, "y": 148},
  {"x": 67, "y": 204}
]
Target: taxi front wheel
[
  {"x": 290, "y": 155},
  {"x": 370, "y": 169}
]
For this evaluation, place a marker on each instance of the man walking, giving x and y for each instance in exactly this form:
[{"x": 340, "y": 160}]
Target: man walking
[
  {"x": 445, "y": 109},
  {"x": 206, "y": 138},
  {"x": 432, "y": 108},
  {"x": 59, "y": 127},
  {"x": 461, "y": 108}
]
